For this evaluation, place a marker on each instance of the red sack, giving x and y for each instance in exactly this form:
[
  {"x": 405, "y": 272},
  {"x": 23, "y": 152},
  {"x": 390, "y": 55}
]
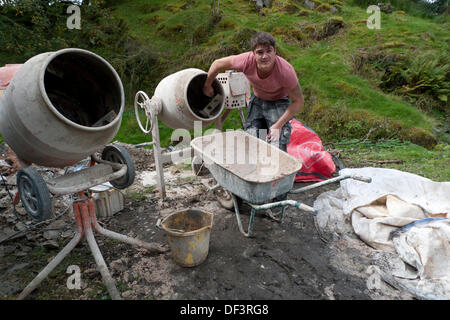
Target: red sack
[
  {"x": 306, "y": 145},
  {"x": 6, "y": 74}
]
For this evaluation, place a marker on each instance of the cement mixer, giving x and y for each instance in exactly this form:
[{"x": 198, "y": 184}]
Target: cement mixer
[
  {"x": 59, "y": 108},
  {"x": 179, "y": 102}
]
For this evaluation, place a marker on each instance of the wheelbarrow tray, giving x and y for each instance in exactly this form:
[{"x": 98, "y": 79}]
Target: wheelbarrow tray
[{"x": 247, "y": 166}]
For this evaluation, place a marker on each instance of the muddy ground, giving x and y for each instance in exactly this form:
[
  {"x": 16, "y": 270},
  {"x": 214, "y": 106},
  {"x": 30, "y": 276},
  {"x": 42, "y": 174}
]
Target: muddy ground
[{"x": 288, "y": 260}]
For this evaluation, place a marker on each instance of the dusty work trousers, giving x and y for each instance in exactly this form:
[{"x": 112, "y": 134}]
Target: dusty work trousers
[{"x": 261, "y": 115}]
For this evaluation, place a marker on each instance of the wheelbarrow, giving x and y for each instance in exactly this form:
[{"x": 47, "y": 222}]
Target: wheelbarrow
[{"x": 254, "y": 172}]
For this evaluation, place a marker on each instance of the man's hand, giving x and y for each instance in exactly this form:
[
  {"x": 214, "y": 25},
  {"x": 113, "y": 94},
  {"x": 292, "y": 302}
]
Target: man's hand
[
  {"x": 274, "y": 133},
  {"x": 296, "y": 97},
  {"x": 218, "y": 65},
  {"x": 208, "y": 90}
]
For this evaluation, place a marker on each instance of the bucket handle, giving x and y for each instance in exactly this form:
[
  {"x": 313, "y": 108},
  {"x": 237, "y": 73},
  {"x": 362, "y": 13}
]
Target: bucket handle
[{"x": 159, "y": 226}]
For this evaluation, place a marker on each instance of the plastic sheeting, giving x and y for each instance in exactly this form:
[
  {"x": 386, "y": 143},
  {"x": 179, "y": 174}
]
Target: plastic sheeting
[{"x": 402, "y": 215}]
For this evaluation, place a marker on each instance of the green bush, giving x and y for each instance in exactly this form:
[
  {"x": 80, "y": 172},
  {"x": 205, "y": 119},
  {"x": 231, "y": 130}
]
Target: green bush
[
  {"x": 30, "y": 27},
  {"x": 420, "y": 75}
]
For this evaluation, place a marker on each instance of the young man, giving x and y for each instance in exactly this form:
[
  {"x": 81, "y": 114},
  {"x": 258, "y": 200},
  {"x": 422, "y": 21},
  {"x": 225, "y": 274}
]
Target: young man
[{"x": 277, "y": 95}]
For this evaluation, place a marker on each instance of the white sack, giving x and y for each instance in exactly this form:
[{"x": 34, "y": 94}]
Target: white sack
[
  {"x": 430, "y": 195},
  {"x": 379, "y": 209},
  {"x": 374, "y": 223}
]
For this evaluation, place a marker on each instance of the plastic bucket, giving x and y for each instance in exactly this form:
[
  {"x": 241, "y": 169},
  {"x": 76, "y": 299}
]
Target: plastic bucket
[{"x": 188, "y": 233}]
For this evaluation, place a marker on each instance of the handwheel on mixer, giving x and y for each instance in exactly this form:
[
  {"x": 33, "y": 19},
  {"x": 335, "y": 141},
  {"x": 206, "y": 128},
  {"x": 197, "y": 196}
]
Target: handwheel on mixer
[
  {"x": 34, "y": 194},
  {"x": 143, "y": 111},
  {"x": 118, "y": 154}
]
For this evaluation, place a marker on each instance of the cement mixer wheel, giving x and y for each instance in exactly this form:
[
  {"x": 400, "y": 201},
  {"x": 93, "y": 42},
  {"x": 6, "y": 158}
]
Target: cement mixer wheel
[
  {"x": 118, "y": 154},
  {"x": 34, "y": 194}
]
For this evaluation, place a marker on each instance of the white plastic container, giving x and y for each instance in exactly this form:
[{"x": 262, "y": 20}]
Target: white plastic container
[
  {"x": 236, "y": 88},
  {"x": 108, "y": 201}
]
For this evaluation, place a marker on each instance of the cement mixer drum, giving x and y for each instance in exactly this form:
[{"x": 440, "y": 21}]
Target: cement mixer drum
[
  {"x": 183, "y": 101},
  {"x": 61, "y": 107}
]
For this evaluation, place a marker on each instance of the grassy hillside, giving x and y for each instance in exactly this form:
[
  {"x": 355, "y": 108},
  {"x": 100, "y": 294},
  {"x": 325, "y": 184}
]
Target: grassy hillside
[
  {"x": 342, "y": 65},
  {"x": 387, "y": 87}
]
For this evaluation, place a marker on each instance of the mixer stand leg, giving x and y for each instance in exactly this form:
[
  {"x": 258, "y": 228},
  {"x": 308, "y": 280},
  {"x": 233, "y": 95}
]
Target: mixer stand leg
[
  {"x": 86, "y": 220},
  {"x": 57, "y": 260}
]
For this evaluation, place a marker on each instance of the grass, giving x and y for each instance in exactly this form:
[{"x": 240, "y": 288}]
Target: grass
[
  {"x": 325, "y": 70},
  {"x": 395, "y": 154},
  {"x": 322, "y": 65}
]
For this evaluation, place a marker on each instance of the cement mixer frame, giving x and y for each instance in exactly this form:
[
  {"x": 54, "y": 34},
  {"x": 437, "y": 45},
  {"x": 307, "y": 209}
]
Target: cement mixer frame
[{"x": 114, "y": 165}]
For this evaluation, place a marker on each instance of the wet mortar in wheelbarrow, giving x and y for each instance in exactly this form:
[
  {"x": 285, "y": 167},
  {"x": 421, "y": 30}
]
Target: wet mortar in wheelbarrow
[{"x": 253, "y": 171}]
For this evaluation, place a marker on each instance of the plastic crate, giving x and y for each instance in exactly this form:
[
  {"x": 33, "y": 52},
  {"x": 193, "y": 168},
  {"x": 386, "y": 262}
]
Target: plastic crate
[
  {"x": 236, "y": 88},
  {"x": 108, "y": 201}
]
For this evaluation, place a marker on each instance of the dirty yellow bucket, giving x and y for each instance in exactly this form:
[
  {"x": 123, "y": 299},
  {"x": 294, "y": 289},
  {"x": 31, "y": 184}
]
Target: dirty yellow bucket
[{"x": 188, "y": 233}]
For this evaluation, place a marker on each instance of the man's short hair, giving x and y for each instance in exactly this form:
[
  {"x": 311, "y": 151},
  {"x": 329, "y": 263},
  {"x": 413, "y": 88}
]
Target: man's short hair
[{"x": 262, "y": 39}]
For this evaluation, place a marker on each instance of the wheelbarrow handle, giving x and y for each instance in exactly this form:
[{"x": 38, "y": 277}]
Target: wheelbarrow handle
[
  {"x": 283, "y": 203},
  {"x": 332, "y": 180},
  {"x": 361, "y": 178}
]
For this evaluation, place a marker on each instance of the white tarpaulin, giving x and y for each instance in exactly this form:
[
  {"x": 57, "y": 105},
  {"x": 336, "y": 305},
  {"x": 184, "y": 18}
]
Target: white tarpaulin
[{"x": 400, "y": 213}]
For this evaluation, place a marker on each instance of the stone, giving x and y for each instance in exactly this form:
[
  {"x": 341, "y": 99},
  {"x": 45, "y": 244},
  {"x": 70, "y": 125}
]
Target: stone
[
  {"x": 91, "y": 273},
  {"x": 8, "y": 249},
  {"x": 21, "y": 226},
  {"x": 3, "y": 192},
  {"x": 18, "y": 266},
  {"x": 3, "y": 163},
  {"x": 51, "y": 234},
  {"x": 12, "y": 180},
  {"x": 309, "y": 4},
  {"x": 50, "y": 244},
  {"x": 127, "y": 294},
  {"x": 334, "y": 10},
  {"x": 21, "y": 211},
  {"x": 5, "y": 202},
  {"x": 386, "y": 8},
  {"x": 263, "y": 4},
  {"x": 118, "y": 266},
  {"x": 67, "y": 234},
  {"x": 57, "y": 224}
]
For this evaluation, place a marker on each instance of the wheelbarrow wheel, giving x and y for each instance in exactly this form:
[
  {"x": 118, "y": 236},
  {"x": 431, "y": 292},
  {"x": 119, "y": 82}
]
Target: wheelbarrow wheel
[
  {"x": 118, "y": 154},
  {"x": 34, "y": 194}
]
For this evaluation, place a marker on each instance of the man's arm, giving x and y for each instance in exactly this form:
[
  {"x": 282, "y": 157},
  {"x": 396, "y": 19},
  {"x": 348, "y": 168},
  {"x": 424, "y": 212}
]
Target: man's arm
[
  {"x": 296, "y": 105},
  {"x": 216, "y": 67}
]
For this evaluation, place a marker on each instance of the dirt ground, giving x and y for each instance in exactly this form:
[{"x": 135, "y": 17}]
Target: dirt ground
[{"x": 283, "y": 261}]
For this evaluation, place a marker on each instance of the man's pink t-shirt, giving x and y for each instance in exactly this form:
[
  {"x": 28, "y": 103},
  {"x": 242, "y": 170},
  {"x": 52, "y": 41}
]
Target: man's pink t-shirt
[{"x": 276, "y": 86}]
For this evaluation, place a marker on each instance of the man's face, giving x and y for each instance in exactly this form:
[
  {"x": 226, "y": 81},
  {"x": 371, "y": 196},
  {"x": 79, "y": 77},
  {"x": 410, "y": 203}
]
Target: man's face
[{"x": 265, "y": 58}]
